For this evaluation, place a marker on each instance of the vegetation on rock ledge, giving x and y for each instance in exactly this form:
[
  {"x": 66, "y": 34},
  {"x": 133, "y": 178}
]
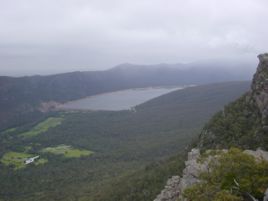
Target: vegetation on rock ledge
[{"x": 232, "y": 177}]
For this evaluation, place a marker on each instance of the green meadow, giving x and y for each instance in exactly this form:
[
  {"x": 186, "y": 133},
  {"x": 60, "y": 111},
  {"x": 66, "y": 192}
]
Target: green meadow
[
  {"x": 67, "y": 151},
  {"x": 15, "y": 159},
  {"x": 42, "y": 127}
]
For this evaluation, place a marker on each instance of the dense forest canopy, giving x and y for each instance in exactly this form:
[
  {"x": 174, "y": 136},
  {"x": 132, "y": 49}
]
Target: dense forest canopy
[{"x": 86, "y": 155}]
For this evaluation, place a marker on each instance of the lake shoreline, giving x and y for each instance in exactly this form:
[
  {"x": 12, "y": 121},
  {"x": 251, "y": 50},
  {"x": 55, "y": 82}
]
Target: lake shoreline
[{"x": 118, "y": 100}]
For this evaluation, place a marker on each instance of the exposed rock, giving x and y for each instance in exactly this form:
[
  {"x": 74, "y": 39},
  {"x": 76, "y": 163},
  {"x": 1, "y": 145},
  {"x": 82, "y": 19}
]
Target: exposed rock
[
  {"x": 259, "y": 87},
  {"x": 191, "y": 170},
  {"x": 176, "y": 185},
  {"x": 171, "y": 190},
  {"x": 193, "y": 167}
]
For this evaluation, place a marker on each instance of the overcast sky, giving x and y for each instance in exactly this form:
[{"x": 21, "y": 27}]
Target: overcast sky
[{"x": 51, "y": 36}]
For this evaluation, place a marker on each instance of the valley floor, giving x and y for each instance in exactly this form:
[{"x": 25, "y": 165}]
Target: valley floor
[{"x": 85, "y": 155}]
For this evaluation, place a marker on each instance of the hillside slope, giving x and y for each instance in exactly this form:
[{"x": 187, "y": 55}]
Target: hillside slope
[
  {"x": 122, "y": 143},
  {"x": 243, "y": 123}
]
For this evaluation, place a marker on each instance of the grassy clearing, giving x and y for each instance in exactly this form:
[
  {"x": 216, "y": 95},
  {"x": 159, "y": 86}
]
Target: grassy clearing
[
  {"x": 15, "y": 159},
  {"x": 42, "y": 127},
  {"x": 67, "y": 151}
]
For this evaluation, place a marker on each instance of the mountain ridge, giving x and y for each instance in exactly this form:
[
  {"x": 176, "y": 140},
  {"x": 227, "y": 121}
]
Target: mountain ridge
[{"x": 21, "y": 97}]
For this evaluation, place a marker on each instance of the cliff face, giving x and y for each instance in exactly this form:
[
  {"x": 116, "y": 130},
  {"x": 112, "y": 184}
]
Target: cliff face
[
  {"x": 243, "y": 123},
  {"x": 259, "y": 89}
]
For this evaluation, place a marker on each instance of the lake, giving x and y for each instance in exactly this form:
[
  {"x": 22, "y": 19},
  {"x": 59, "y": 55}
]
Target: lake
[{"x": 118, "y": 100}]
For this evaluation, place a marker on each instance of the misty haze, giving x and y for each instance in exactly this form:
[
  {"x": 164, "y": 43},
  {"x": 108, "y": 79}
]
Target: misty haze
[{"x": 145, "y": 100}]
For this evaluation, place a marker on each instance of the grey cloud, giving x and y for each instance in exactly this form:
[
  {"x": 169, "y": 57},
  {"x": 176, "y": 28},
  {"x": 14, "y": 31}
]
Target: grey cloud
[{"x": 54, "y": 36}]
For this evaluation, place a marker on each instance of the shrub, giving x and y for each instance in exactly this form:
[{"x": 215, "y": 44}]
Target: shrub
[{"x": 232, "y": 177}]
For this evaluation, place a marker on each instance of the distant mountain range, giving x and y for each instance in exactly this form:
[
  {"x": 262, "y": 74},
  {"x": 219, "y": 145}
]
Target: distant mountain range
[{"x": 30, "y": 95}]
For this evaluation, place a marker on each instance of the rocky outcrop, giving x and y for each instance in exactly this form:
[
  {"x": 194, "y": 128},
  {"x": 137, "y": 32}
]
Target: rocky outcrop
[
  {"x": 193, "y": 167},
  {"x": 171, "y": 190},
  {"x": 191, "y": 170},
  {"x": 259, "y": 88},
  {"x": 176, "y": 185}
]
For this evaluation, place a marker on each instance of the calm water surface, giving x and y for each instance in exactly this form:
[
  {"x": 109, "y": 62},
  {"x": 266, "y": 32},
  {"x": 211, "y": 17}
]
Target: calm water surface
[{"x": 119, "y": 100}]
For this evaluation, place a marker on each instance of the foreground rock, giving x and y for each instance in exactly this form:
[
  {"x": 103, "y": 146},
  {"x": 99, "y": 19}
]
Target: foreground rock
[
  {"x": 171, "y": 190},
  {"x": 193, "y": 167}
]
